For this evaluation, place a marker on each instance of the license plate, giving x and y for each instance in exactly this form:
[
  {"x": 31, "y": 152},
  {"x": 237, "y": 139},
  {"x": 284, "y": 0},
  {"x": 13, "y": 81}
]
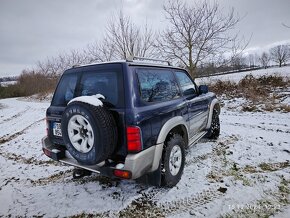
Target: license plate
[{"x": 56, "y": 129}]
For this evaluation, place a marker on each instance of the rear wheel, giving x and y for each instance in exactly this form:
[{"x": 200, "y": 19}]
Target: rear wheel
[{"x": 173, "y": 160}]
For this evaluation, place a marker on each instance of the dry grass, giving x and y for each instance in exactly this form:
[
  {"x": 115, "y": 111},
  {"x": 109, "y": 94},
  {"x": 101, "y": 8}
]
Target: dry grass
[
  {"x": 29, "y": 84},
  {"x": 262, "y": 93}
]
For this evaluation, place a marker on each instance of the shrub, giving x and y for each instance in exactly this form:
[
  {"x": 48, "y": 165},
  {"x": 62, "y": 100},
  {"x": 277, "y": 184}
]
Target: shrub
[
  {"x": 266, "y": 91},
  {"x": 29, "y": 83}
]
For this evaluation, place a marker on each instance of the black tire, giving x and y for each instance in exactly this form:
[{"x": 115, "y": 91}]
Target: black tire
[
  {"x": 104, "y": 132},
  {"x": 168, "y": 178},
  {"x": 214, "y": 131}
]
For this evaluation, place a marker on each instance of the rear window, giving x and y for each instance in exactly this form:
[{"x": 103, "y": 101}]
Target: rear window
[
  {"x": 105, "y": 81},
  {"x": 157, "y": 85}
]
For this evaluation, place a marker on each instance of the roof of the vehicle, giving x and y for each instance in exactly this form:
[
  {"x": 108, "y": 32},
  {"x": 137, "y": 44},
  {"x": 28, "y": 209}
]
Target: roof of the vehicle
[{"x": 131, "y": 63}]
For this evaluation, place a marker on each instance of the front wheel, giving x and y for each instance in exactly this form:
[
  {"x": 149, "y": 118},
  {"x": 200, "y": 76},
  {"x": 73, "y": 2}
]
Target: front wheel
[
  {"x": 214, "y": 131},
  {"x": 173, "y": 160}
]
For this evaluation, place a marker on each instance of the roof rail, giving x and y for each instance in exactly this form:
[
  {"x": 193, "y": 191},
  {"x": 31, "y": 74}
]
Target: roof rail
[
  {"x": 135, "y": 58},
  {"x": 75, "y": 66}
]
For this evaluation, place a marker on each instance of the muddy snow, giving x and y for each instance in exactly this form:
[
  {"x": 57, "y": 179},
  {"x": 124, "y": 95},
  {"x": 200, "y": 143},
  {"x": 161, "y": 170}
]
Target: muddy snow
[{"x": 245, "y": 173}]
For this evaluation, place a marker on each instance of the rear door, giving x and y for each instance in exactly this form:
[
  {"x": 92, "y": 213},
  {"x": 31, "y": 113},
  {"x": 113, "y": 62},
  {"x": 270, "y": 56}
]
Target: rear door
[
  {"x": 197, "y": 106},
  {"x": 106, "y": 79}
]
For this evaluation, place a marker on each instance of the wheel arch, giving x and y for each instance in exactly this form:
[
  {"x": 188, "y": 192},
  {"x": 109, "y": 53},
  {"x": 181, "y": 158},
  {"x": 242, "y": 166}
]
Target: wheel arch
[
  {"x": 214, "y": 104},
  {"x": 177, "y": 124},
  {"x": 173, "y": 125}
]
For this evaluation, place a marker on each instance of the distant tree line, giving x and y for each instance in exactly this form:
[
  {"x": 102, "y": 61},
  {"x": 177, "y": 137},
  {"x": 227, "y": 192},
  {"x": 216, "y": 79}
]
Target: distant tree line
[
  {"x": 276, "y": 56},
  {"x": 8, "y": 78}
]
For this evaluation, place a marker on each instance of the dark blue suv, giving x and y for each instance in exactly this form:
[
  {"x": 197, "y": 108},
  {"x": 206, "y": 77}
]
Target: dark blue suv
[{"x": 128, "y": 119}]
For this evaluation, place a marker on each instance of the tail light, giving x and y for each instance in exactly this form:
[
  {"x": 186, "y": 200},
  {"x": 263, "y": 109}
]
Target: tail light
[
  {"x": 134, "y": 143},
  {"x": 123, "y": 174},
  {"x": 46, "y": 152}
]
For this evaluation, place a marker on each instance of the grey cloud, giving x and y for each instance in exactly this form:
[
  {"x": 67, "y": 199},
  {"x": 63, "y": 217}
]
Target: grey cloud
[{"x": 31, "y": 30}]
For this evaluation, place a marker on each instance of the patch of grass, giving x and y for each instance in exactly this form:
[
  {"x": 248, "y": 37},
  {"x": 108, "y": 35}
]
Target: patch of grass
[
  {"x": 224, "y": 87},
  {"x": 265, "y": 167},
  {"x": 237, "y": 173},
  {"x": 250, "y": 169},
  {"x": 264, "y": 91},
  {"x": 90, "y": 215},
  {"x": 284, "y": 186},
  {"x": 214, "y": 177},
  {"x": 285, "y": 108},
  {"x": 239, "y": 176},
  {"x": 249, "y": 108},
  {"x": 274, "y": 166},
  {"x": 284, "y": 191}
]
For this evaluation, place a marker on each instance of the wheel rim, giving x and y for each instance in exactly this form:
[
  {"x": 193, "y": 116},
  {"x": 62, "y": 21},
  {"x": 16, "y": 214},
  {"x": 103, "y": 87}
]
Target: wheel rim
[
  {"x": 80, "y": 133},
  {"x": 175, "y": 160}
]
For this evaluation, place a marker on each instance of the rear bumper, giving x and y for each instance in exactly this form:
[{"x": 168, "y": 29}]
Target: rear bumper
[{"x": 135, "y": 165}]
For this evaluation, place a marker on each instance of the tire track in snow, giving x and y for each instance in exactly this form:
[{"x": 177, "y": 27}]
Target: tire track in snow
[
  {"x": 23, "y": 160},
  {"x": 19, "y": 158},
  {"x": 7, "y": 181},
  {"x": 54, "y": 178},
  {"x": 16, "y": 115},
  {"x": 197, "y": 159},
  {"x": 147, "y": 204},
  {"x": 259, "y": 127},
  {"x": 7, "y": 138},
  {"x": 191, "y": 203}
]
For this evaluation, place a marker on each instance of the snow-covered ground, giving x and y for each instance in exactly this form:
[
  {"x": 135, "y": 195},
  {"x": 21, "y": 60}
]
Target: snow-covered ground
[
  {"x": 244, "y": 173},
  {"x": 236, "y": 77},
  {"x": 8, "y": 83}
]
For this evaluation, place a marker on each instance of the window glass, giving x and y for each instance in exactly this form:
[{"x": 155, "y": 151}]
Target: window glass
[
  {"x": 107, "y": 81},
  {"x": 104, "y": 83},
  {"x": 157, "y": 85},
  {"x": 65, "y": 89},
  {"x": 186, "y": 84}
]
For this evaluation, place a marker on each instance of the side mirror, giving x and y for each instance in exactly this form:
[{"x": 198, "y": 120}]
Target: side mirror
[
  {"x": 203, "y": 89},
  {"x": 190, "y": 91}
]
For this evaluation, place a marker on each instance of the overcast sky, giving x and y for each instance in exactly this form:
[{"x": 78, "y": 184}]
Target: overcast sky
[{"x": 31, "y": 30}]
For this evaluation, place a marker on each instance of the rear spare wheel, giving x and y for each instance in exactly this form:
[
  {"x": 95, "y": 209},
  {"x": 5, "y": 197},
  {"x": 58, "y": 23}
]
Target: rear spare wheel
[{"x": 89, "y": 132}]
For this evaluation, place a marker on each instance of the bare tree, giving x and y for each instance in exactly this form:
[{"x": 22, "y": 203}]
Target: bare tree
[
  {"x": 238, "y": 62},
  {"x": 129, "y": 39},
  {"x": 100, "y": 51},
  {"x": 264, "y": 59},
  {"x": 251, "y": 59},
  {"x": 122, "y": 38},
  {"x": 280, "y": 54},
  {"x": 54, "y": 66},
  {"x": 196, "y": 32}
]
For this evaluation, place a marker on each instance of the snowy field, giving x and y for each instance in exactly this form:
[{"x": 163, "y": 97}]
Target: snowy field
[
  {"x": 236, "y": 77},
  {"x": 245, "y": 173},
  {"x": 8, "y": 83}
]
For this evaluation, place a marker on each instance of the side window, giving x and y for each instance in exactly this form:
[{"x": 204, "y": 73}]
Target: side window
[
  {"x": 186, "y": 84},
  {"x": 157, "y": 85}
]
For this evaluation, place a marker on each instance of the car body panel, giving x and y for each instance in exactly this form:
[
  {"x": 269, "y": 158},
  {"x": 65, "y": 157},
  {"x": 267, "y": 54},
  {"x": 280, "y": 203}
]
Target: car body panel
[{"x": 155, "y": 119}]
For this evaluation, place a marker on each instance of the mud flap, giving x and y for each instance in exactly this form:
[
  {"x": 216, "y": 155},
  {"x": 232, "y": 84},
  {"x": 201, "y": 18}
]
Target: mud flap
[
  {"x": 153, "y": 178},
  {"x": 79, "y": 173}
]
